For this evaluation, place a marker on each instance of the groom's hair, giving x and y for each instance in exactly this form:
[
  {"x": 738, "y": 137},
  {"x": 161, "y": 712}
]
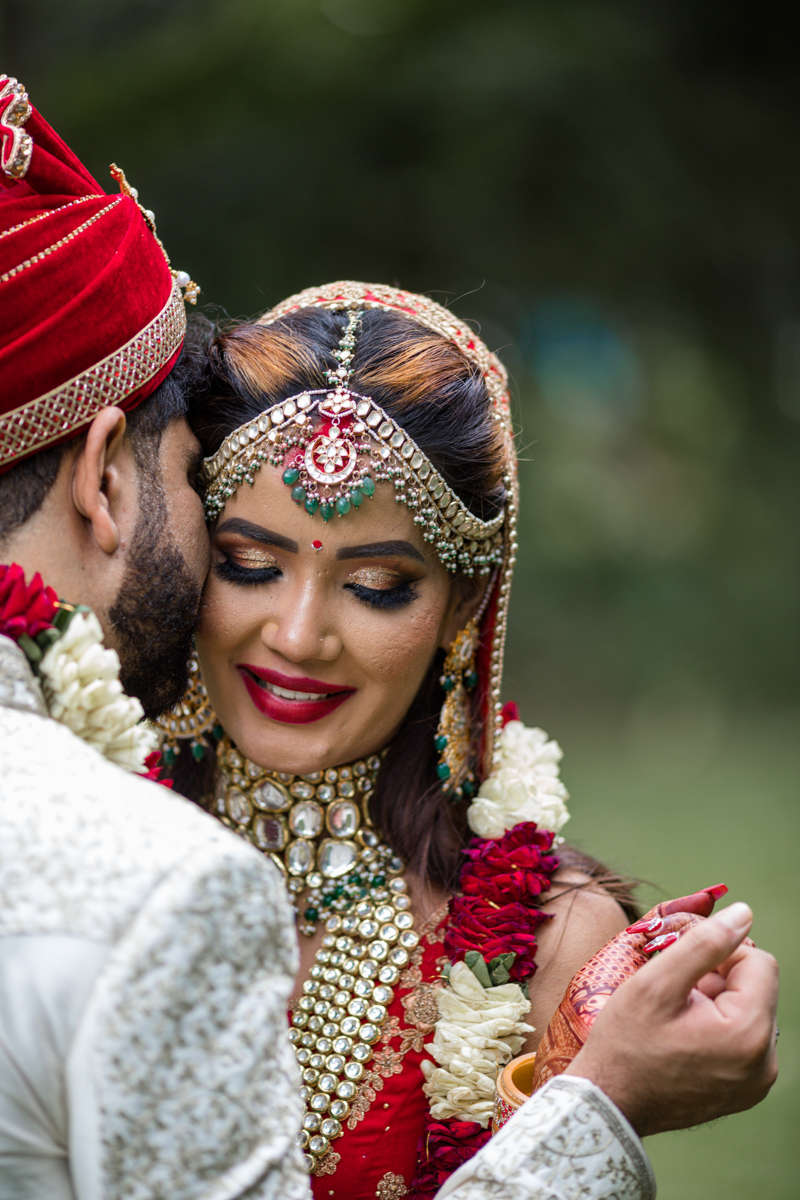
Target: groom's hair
[{"x": 24, "y": 489}]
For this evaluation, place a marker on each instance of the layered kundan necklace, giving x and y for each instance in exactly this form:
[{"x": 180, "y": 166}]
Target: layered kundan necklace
[{"x": 316, "y": 828}]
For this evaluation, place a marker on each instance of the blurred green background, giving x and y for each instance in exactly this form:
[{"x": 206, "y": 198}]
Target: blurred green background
[{"x": 612, "y": 192}]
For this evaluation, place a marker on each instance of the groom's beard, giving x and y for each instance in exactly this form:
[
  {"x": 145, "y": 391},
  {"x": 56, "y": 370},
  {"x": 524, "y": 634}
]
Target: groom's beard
[{"x": 155, "y": 614}]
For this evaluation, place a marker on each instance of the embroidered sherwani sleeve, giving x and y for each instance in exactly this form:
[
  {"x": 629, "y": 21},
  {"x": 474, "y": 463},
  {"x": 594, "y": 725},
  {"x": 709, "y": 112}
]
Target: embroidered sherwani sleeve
[
  {"x": 181, "y": 1081},
  {"x": 568, "y": 1142}
]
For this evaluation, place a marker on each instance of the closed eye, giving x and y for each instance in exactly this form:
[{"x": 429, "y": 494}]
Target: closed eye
[
  {"x": 232, "y": 571},
  {"x": 386, "y": 598}
]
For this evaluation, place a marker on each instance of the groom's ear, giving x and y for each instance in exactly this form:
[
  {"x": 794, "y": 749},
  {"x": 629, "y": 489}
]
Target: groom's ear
[{"x": 99, "y": 477}]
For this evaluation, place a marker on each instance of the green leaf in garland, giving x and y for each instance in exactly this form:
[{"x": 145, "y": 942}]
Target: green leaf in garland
[
  {"x": 477, "y": 964},
  {"x": 62, "y": 619},
  {"x": 46, "y": 638},
  {"x": 65, "y": 614},
  {"x": 32, "y": 652},
  {"x": 500, "y": 968}
]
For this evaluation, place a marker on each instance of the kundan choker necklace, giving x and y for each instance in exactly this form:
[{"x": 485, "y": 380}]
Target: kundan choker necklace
[{"x": 317, "y": 829}]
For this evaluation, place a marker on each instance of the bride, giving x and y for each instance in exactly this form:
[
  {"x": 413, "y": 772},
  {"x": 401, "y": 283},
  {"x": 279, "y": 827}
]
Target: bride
[{"x": 345, "y": 717}]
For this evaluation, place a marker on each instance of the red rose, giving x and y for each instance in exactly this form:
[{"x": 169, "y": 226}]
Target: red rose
[
  {"x": 525, "y": 833},
  {"x": 516, "y": 867},
  {"x": 491, "y": 930},
  {"x": 525, "y": 847},
  {"x": 443, "y": 1148},
  {"x": 24, "y": 608},
  {"x": 522, "y": 887},
  {"x": 154, "y": 767}
]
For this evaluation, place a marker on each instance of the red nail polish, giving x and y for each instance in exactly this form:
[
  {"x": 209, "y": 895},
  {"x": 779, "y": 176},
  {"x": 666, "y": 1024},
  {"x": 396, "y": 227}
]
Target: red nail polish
[
  {"x": 719, "y": 889},
  {"x": 651, "y": 926},
  {"x": 660, "y": 943}
]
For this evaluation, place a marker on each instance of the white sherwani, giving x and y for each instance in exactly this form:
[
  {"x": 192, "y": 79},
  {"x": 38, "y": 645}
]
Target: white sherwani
[{"x": 146, "y": 960}]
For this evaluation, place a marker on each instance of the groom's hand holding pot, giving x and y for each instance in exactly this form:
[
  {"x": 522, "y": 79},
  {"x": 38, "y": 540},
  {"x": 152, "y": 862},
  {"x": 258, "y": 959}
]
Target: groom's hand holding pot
[{"x": 692, "y": 1035}]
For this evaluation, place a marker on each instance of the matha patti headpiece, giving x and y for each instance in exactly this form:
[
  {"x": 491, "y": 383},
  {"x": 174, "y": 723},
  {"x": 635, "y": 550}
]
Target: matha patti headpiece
[{"x": 336, "y": 444}]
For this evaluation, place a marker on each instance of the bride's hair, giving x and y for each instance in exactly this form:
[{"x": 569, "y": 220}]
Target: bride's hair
[{"x": 439, "y": 398}]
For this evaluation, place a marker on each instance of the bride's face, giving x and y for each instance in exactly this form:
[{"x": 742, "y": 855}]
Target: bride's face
[{"x": 315, "y": 638}]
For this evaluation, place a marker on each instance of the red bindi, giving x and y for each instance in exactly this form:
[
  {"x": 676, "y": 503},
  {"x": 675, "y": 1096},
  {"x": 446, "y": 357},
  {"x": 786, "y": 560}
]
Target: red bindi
[{"x": 317, "y": 545}]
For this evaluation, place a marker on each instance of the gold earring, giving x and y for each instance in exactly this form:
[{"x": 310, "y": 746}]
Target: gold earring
[
  {"x": 189, "y": 719},
  {"x": 453, "y": 734}
]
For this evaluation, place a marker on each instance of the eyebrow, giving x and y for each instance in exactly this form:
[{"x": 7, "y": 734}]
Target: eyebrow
[
  {"x": 257, "y": 534},
  {"x": 381, "y": 550}
]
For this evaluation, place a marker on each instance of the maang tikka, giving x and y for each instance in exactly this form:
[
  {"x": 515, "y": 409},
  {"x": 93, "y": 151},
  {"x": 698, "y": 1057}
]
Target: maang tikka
[{"x": 325, "y": 467}]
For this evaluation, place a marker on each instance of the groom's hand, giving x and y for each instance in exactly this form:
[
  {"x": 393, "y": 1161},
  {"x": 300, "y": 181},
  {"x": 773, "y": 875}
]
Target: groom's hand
[{"x": 692, "y": 1035}]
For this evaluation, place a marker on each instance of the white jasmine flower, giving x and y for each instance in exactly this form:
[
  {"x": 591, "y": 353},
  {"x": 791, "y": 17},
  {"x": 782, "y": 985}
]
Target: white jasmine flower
[
  {"x": 80, "y": 680},
  {"x": 525, "y": 787},
  {"x": 479, "y": 1030}
]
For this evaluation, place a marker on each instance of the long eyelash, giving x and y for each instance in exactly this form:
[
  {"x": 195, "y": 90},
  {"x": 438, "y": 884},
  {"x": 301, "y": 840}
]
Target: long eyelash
[
  {"x": 396, "y": 597},
  {"x": 231, "y": 572}
]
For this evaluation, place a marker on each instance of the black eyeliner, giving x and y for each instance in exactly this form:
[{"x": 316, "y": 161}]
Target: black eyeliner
[
  {"x": 385, "y": 598},
  {"x": 231, "y": 572}
]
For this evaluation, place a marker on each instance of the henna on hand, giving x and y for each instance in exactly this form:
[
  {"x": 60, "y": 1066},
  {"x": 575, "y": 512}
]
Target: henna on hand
[
  {"x": 620, "y": 959},
  {"x": 692, "y": 1035}
]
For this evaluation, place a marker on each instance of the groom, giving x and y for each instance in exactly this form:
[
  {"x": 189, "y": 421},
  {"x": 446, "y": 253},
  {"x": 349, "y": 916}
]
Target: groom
[{"x": 146, "y": 954}]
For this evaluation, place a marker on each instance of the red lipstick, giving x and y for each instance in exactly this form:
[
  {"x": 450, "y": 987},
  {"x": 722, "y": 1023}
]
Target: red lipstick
[{"x": 286, "y": 709}]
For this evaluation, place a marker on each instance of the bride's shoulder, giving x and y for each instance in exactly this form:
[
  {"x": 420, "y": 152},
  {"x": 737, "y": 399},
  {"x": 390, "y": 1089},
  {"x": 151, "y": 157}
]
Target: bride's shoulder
[{"x": 585, "y": 914}]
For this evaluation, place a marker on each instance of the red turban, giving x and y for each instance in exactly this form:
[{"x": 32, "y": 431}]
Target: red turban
[{"x": 91, "y": 313}]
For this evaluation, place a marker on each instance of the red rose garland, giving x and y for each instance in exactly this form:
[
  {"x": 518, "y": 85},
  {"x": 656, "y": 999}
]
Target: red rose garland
[
  {"x": 443, "y": 1148},
  {"x": 500, "y": 885},
  {"x": 493, "y": 921}
]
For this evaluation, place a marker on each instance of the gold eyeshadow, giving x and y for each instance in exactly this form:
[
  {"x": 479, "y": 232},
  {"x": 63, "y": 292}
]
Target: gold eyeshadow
[
  {"x": 252, "y": 556},
  {"x": 377, "y": 578}
]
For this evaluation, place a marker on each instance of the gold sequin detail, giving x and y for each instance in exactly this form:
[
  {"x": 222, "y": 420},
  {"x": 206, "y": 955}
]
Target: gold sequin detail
[
  {"x": 327, "y": 1164},
  {"x": 48, "y": 250},
  {"x": 378, "y": 578},
  {"x": 51, "y": 212},
  {"x": 251, "y": 557},
  {"x": 391, "y": 1187}
]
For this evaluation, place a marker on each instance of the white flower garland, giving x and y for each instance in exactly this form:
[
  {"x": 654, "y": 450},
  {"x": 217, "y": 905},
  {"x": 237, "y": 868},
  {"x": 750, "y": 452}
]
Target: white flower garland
[
  {"x": 80, "y": 682},
  {"x": 524, "y": 787},
  {"x": 480, "y": 1029}
]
